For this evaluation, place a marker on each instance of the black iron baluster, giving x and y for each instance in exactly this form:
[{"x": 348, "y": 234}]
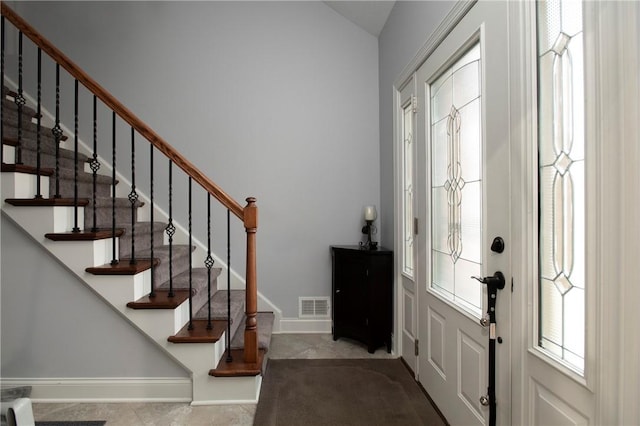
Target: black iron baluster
[
  {"x": 133, "y": 198},
  {"x": 57, "y": 132},
  {"x": 170, "y": 229},
  {"x": 151, "y": 207},
  {"x": 114, "y": 260},
  {"x": 38, "y": 127},
  {"x": 209, "y": 262},
  {"x": 94, "y": 163},
  {"x": 20, "y": 101},
  {"x": 3, "y": 95},
  {"x": 75, "y": 159},
  {"x": 190, "y": 263},
  {"x": 229, "y": 357}
]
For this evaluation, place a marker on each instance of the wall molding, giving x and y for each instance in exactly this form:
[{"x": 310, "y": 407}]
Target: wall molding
[
  {"x": 120, "y": 389},
  {"x": 296, "y": 325}
]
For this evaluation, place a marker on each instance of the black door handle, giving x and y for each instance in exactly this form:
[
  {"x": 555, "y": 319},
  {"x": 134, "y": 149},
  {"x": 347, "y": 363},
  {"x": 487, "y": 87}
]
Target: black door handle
[{"x": 496, "y": 280}]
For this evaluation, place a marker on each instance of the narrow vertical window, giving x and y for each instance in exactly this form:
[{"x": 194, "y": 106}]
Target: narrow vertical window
[
  {"x": 408, "y": 185},
  {"x": 456, "y": 182},
  {"x": 561, "y": 291}
]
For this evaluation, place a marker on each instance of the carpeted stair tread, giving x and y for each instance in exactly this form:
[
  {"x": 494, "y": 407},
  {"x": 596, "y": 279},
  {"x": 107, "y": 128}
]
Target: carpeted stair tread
[
  {"x": 66, "y": 157},
  {"x": 29, "y": 136},
  {"x": 123, "y": 267},
  {"x": 181, "y": 281},
  {"x": 142, "y": 236},
  {"x": 10, "y": 108},
  {"x": 265, "y": 327},
  {"x": 67, "y": 184},
  {"x": 120, "y": 202},
  {"x": 180, "y": 261},
  {"x": 84, "y": 176},
  {"x": 104, "y": 214},
  {"x": 219, "y": 306},
  {"x": 199, "y": 332}
]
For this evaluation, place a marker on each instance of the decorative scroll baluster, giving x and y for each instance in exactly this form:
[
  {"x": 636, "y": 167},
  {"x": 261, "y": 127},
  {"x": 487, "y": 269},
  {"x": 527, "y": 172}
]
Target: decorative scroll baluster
[
  {"x": 133, "y": 198},
  {"x": 229, "y": 357},
  {"x": 75, "y": 159},
  {"x": 38, "y": 128},
  {"x": 3, "y": 95},
  {"x": 170, "y": 229},
  {"x": 20, "y": 101},
  {"x": 190, "y": 263},
  {"x": 114, "y": 260},
  {"x": 153, "y": 268},
  {"x": 57, "y": 132},
  {"x": 94, "y": 163},
  {"x": 209, "y": 262}
]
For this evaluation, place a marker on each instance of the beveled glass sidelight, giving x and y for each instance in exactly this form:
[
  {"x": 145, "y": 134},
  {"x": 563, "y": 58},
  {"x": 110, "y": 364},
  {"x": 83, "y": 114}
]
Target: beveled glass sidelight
[
  {"x": 561, "y": 310},
  {"x": 408, "y": 185},
  {"x": 456, "y": 182}
]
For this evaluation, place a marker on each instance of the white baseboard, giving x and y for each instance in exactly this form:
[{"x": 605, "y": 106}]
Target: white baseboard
[
  {"x": 296, "y": 325},
  {"x": 161, "y": 389}
]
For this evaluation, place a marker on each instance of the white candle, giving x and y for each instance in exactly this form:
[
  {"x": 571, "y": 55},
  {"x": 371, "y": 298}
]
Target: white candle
[{"x": 370, "y": 213}]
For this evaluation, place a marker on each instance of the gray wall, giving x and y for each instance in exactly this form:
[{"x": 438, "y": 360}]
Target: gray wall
[
  {"x": 277, "y": 100},
  {"x": 408, "y": 28},
  {"x": 45, "y": 335}
]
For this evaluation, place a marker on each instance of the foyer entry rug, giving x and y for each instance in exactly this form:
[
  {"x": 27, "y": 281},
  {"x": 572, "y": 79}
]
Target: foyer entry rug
[{"x": 345, "y": 392}]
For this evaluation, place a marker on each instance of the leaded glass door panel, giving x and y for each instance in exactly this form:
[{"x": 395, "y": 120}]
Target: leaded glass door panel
[{"x": 463, "y": 193}]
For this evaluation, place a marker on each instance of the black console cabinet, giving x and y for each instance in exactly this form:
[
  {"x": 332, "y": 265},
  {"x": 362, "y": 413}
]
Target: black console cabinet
[{"x": 362, "y": 292}]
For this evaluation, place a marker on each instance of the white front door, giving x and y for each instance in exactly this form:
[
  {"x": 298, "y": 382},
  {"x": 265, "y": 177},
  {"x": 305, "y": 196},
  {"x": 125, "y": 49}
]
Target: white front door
[{"x": 463, "y": 205}]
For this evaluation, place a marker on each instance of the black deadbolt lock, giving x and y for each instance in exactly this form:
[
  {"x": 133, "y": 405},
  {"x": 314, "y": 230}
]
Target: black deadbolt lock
[{"x": 497, "y": 245}]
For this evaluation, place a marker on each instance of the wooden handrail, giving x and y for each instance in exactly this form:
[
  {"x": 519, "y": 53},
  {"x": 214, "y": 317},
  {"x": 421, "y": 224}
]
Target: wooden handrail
[{"x": 122, "y": 111}]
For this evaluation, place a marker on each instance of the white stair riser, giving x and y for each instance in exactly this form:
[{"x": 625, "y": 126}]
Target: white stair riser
[
  {"x": 42, "y": 220},
  {"x": 8, "y": 154},
  {"x": 23, "y": 185},
  {"x": 120, "y": 289},
  {"x": 82, "y": 254}
]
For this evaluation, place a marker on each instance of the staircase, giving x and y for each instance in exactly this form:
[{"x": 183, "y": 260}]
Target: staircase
[{"x": 151, "y": 271}]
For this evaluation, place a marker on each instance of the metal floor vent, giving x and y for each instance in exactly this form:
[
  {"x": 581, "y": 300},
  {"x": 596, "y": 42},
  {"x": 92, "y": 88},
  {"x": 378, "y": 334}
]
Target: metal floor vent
[{"x": 314, "y": 307}]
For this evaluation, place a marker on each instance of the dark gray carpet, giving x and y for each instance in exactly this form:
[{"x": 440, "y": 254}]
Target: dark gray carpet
[{"x": 342, "y": 392}]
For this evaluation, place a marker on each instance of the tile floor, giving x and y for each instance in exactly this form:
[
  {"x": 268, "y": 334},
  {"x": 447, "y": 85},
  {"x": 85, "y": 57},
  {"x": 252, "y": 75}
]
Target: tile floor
[{"x": 283, "y": 346}]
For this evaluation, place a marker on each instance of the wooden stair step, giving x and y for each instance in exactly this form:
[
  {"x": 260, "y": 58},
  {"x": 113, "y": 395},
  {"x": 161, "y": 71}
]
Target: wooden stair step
[
  {"x": 160, "y": 300},
  {"x": 10, "y": 141},
  {"x": 23, "y": 168},
  {"x": 46, "y": 202},
  {"x": 199, "y": 333},
  {"x": 101, "y": 234},
  {"x": 238, "y": 367},
  {"x": 123, "y": 267}
]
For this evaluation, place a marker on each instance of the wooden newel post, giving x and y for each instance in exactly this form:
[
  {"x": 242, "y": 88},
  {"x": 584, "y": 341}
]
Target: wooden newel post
[{"x": 251, "y": 304}]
